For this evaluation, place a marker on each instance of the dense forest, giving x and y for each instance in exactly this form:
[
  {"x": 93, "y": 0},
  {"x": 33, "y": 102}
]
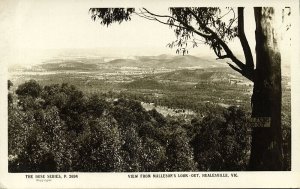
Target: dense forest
[{"x": 59, "y": 128}]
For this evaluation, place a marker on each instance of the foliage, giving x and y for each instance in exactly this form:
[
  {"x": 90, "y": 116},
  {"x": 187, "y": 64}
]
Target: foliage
[
  {"x": 179, "y": 152},
  {"x": 193, "y": 26},
  {"x": 100, "y": 145},
  {"x": 33, "y": 140},
  {"x": 222, "y": 140},
  {"x": 109, "y": 16},
  {"x": 29, "y": 88},
  {"x": 187, "y": 22},
  {"x": 9, "y": 84},
  {"x": 65, "y": 130},
  {"x": 9, "y": 96}
]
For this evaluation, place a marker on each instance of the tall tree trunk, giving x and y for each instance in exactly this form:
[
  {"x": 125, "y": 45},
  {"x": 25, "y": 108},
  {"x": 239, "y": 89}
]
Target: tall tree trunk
[{"x": 266, "y": 146}]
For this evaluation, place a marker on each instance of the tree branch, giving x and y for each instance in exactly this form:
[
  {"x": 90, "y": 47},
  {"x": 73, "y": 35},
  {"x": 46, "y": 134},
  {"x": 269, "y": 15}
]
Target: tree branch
[
  {"x": 234, "y": 19},
  {"x": 221, "y": 42},
  {"x": 162, "y": 16},
  {"x": 235, "y": 68},
  {"x": 231, "y": 9},
  {"x": 244, "y": 41},
  {"x": 245, "y": 69},
  {"x": 186, "y": 26},
  {"x": 245, "y": 73},
  {"x": 143, "y": 15},
  {"x": 222, "y": 57}
]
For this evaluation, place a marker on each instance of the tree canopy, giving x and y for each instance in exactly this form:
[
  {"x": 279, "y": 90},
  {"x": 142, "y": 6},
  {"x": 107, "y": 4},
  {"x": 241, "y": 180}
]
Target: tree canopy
[{"x": 54, "y": 133}]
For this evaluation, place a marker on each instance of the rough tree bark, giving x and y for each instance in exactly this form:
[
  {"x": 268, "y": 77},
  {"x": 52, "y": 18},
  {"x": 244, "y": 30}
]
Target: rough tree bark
[{"x": 266, "y": 146}]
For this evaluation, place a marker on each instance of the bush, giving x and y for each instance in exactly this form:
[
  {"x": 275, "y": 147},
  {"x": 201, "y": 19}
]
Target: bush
[
  {"x": 33, "y": 141},
  {"x": 180, "y": 156},
  {"x": 29, "y": 88},
  {"x": 100, "y": 147},
  {"x": 222, "y": 142}
]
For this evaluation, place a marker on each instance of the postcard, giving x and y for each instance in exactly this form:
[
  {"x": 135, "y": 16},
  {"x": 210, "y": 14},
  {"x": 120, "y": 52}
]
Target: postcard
[{"x": 149, "y": 94}]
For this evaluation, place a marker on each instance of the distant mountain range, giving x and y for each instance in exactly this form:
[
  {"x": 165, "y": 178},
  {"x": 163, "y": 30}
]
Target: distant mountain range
[
  {"x": 166, "y": 61},
  {"x": 154, "y": 62},
  {"x": 163, "y": 61}
]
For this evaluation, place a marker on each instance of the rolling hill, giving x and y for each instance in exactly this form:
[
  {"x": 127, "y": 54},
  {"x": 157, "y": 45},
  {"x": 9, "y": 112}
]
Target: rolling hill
[
  {"x": 166, "y": 61},
  {"x": 153, "y": 62},
  {"x": 208, "y": 74}
]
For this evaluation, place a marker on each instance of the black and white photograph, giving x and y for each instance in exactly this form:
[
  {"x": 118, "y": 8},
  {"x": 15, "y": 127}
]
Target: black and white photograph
[{"x": 183, "y": 91}]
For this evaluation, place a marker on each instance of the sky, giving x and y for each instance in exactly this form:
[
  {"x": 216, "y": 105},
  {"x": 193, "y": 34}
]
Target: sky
[
  {"x": 41, "y": 25},
  {"x": 52, "y": 24}
]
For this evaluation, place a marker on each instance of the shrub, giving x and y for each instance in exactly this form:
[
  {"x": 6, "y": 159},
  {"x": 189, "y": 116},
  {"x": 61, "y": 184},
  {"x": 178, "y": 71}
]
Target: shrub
[
  {"x": 29, "y": 88},
  {"x": 222, "y": 142},
  {"x": 100, "y": 147},
  {"x": 180, "y": 156}
]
